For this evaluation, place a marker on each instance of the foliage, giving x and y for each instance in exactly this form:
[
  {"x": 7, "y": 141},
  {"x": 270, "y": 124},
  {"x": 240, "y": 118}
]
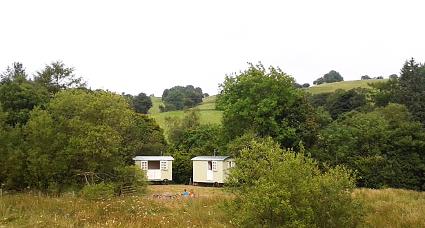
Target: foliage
[
  {"x": 342, "y": 101},
  {"x": 331, "y": 76},
  {"x": 278, "y": 188},
  {"x": 385, "y": 146},
  {"x": 412, "y": 89},
  {"x": 141, "y": 103},
  {"x": 80, "y": 137},
  {"x": 57, "y": 76},
  {"x": 266, "y": 103},
  {"x": 365, "y": 77},
  {"x": 188, "y": 138},
  {"x": 99, "y": 191},
  {"x": 408, "y": 89},
  {"x": 384, "y": 93},
  {"x": 144, "y": 137},
  {"x": 18, "y": 95},
  {"x": 14, "y": 73},
  {"x": 130, "y": 176},
  {"x": 319, "y": 99},
  {"x": 179, "y": 97},
  {"x": 393, "y": 76}
]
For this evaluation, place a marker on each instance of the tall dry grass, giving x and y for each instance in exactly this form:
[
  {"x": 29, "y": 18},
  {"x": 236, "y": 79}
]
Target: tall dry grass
[
  {"x": 384, "y": 208},
  {"x": 27, "y": 210},
  {"x": 392, "y": 207}
]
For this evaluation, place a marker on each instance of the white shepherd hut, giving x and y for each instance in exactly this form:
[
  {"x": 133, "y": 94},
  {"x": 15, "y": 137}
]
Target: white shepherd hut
[
  {"x": 211, "y": 169},
  {"x": 157, "y": 168}
]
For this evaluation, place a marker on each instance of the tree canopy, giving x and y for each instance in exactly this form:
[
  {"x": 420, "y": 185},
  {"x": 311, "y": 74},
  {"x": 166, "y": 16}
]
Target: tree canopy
[
  {"x": 54, "y": 137},
  {"x": 385, "y": 146},
  {"x": 267, "y": 103},
  {"x": 279, "y": 188},
  {"x": 179, "y": 97},
  {"x": 331, "y": 76},
  {"x": 57, "y": 76}
]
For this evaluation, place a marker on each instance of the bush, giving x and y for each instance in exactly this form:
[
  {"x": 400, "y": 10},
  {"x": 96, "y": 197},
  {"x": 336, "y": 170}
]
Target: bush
[
  {"x": 130, "y": 176},
  {"x": 98, "y": 191},
  {"x": 278, "y": 188}
]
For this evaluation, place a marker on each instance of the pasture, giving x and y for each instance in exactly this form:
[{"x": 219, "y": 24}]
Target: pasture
[
  {"x": 207, "y": 112},
  {"x": 344, "y": 85},
  {"x": 209, "y": 115},
  {"x": 384, "y": 208}
]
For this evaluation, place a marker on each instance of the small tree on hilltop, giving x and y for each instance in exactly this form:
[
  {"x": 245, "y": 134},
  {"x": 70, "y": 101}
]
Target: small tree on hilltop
[{"x": 331, "y": 76}]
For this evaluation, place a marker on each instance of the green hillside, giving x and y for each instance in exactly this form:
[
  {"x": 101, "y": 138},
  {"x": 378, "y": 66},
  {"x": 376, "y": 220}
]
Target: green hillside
[
  {"x": 208, "y": 114},
  {"x": 156, "y": 102},
  {"x": 345, "y": 85}
]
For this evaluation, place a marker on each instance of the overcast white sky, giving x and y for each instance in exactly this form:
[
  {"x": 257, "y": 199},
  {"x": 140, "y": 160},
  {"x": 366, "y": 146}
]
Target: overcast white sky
[{"x": 147, "y": 46}]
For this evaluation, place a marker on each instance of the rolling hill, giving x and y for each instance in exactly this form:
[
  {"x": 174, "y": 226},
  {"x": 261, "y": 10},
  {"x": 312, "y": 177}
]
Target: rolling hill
[
  {"x": 345, "y": 85},
  {"x": 209, "y": 115},
  {"x": 207, "y": 112}
]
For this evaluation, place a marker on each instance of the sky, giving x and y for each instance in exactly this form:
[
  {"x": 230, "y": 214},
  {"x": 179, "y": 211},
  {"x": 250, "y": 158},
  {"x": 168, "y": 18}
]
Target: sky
[{"x": 148, "y": 46}]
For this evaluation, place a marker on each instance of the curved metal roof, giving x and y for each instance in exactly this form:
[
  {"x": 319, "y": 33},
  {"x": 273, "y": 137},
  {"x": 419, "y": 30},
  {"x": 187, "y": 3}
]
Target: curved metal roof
[
  {"x": 153, "y": 158},
  {"x": 210, "y": 158}
]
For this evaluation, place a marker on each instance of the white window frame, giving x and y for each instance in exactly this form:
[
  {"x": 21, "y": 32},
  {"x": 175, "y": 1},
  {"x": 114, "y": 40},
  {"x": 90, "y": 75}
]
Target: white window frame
[
  {"x": 144, "y": 165},
  {"x": 214, "y": 166},
  {"x": 163, "y": 165}
]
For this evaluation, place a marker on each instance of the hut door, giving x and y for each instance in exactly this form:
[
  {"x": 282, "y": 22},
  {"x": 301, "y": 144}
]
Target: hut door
[{"x": 210, "y": 172}]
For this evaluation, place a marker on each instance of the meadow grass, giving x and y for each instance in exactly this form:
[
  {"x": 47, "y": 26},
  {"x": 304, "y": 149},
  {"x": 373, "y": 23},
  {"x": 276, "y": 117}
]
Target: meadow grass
[
  {"x": 28, "y": 210},
  {"x": 392, "y": 207},
  {"x": 156, "y": 102},
  {"x": 383, "y": 208},
  {"x": 345, "y": 85}
]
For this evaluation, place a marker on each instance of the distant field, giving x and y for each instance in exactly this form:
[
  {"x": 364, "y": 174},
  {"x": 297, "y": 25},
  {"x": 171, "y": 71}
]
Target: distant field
[
  {"x": 383, "y": 208},
  {"x": 156, "y": 102},
  {"x": 345, "y": 85},
  {"x": 207, "y": 112},
  {"x": 209, "y": 115}
]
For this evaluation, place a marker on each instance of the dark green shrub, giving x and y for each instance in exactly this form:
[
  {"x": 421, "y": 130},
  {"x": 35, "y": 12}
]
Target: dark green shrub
[
  {"x": 278, "y": 188},
  {"x": 130, "y": 176}
]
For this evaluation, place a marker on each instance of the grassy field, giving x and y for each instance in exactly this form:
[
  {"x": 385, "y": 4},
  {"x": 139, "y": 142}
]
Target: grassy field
[
  {"x": 26, "y": 210},
  {"x": 156, "y": 102},
  {"x": 384, "y": 208},
  {"x": 393, "y": 207},
  {"x": 209, "y": 115},
  {"x": 346, "y": 85},
  {"x": 207, "y": 112}
]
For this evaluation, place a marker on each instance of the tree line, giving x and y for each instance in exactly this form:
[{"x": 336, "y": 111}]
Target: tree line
[{"x": 57, "y": 135}]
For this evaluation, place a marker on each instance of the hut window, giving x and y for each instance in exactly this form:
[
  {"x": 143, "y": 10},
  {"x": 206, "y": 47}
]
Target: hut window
[
  {"x": 144, "y": 165},
  {"x": 164, "y": 165},
  {"x": 153, "y": 165},
  {"x": 209, "y": 165},
  {"x": 214, "y": 165},
  {"x": 230, "y": 164}
]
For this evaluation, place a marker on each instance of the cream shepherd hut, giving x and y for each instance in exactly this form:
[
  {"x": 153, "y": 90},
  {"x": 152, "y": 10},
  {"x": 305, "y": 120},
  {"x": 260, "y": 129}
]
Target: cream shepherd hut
[
  {"x": 157, "y": 168},
  {"x": 211, "y": 169}
]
